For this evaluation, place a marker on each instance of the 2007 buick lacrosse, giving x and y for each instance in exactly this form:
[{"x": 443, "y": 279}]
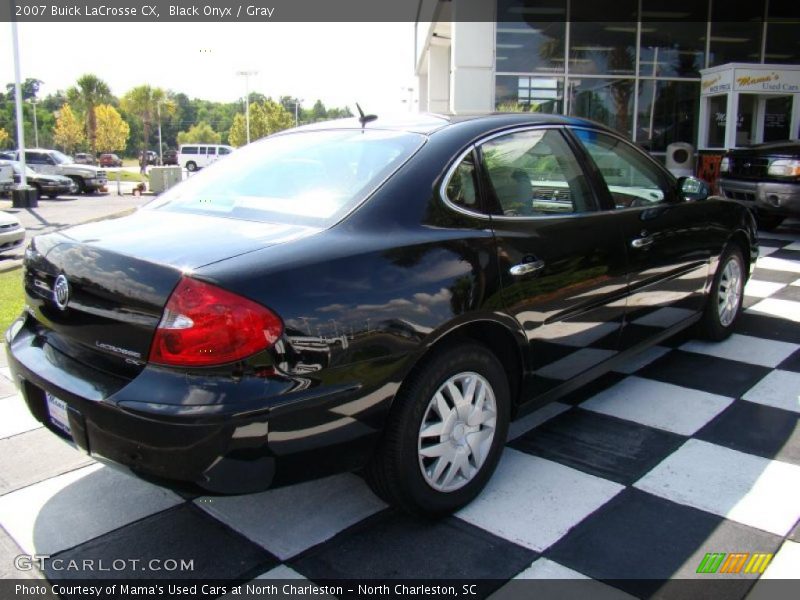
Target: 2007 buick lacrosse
[{"x": 371, "y": 295}]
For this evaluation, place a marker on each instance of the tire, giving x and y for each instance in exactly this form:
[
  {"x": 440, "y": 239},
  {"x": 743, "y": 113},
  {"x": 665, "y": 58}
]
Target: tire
[
  {"x": 725, "y": 301},
  {"x": 38, "y": 189},
  {"x": 191, "y": 166},
  {"x": 80, "y": 183},
  {"x": 52, "y": 196},
  {"x": 769, "y": 222},
  {"x": 409, "y": 469}
]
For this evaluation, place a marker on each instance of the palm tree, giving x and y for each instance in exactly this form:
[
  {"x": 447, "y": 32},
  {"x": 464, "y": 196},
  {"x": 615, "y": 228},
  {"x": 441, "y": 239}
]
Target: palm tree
[
  {"x": 89, "y": 92},
  {"x": 143, "y": 101}
]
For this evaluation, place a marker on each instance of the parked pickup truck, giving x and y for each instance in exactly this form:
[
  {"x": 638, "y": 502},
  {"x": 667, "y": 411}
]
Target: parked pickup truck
[
  {"x": 767, "y": 178},
  {"x": 88, "y": 178}
]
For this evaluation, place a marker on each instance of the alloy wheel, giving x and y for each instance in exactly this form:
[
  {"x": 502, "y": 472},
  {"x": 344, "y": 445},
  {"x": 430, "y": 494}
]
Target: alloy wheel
[{"x": 729, "y": 292}]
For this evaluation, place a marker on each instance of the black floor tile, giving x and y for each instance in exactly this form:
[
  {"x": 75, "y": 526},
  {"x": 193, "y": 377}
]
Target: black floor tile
[
  {"x": 756, "y": 429},
  {"x": 637, "y": 541},
  {"x": 708, "y": 373},
  {"x": 787, "y": 255},
  {"x": 182, "y": 533},
  {"x": 774, "y": 275},
  {"x": 771, "y": 328},
  {"x": 790, "y": 292},
  {"x": 600, "y": 445},
  {"x": 791, "y": 363},
  {"x": 391, "y": 545}
]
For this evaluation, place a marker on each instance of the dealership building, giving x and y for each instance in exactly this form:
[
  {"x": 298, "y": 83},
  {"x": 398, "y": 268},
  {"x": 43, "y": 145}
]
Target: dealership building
[{"x": 657, "y": 71}]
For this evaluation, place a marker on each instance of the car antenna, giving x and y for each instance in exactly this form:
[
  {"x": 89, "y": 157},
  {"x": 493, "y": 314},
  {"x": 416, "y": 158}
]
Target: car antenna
[{"x": 364, "y": 119}]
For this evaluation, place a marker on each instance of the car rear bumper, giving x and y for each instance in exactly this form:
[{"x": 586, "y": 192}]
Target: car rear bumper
[
  {"x": 764, "y": 196},
  {"x": 249, "y": 436}
]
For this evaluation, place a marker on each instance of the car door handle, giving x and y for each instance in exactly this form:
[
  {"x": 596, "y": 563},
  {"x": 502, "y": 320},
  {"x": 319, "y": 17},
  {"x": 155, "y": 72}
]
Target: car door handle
[
  {"x": 642, "y": 242},
  {"x": 526, "y": 268}
]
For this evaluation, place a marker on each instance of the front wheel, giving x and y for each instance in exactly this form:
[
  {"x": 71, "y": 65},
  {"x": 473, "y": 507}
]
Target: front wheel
[
  {"x": 725, "y": 301},
  {"x": 191, "y": 167},
  {"x": 445, "y": 432}
]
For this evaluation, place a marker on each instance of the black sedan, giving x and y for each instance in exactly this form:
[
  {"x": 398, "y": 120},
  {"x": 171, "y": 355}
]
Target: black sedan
[
  {"x": 45, "y": 184},
  {"x": 369, "y": 295}
]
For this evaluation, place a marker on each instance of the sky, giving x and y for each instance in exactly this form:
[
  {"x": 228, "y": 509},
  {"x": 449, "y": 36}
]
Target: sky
[{"x": 339, "y": 63}]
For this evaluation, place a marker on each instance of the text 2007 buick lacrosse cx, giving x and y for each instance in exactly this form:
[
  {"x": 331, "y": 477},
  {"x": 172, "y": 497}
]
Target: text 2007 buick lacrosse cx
[{"x": 369, "y": 295}]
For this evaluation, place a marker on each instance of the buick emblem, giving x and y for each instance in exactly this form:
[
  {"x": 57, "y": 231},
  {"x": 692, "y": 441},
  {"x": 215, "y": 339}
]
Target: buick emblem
[{"x": 61, "y": 292}]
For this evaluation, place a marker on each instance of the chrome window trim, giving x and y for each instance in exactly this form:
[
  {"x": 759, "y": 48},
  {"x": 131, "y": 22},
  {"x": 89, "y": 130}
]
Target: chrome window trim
[{"x": 474, "y": 146}]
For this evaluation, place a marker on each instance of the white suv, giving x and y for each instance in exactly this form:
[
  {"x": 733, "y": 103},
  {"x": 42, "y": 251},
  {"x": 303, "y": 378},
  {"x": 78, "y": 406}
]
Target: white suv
[{"x": 197, "y": 156}]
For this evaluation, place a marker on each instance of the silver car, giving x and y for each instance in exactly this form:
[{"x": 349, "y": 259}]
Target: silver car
[{"x": 12, "y": 233}]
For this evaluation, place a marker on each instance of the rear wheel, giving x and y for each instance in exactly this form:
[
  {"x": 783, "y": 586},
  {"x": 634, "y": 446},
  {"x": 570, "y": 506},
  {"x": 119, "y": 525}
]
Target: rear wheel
[
  {"x": 725, "y": 302},
  {"x": 191, "y": 166},
  {"x": 80, "y": 183},
  {"x": 445, "y": 433}
]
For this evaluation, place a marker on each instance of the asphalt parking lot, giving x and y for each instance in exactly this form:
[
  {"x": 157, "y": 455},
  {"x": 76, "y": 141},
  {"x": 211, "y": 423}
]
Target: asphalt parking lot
[{"x": 692, "y": 449}]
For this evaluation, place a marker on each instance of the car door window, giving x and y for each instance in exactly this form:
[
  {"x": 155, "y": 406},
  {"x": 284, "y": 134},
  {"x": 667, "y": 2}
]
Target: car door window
[
  {"x": 535, "y": 173},
  {"x": 34, "y": 158},
  {"x": 462, "y": 188},
  {"x": 632, "y": 179}
]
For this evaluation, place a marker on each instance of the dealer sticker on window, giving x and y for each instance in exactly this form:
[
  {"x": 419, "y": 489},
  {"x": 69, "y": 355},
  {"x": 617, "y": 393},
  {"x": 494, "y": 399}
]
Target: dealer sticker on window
[{"x": 57, "y": 409}]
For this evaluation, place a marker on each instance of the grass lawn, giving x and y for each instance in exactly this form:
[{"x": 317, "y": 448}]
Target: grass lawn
[
  {"x": 126, "y": 176},
  {"x": 11, "y": 297}
]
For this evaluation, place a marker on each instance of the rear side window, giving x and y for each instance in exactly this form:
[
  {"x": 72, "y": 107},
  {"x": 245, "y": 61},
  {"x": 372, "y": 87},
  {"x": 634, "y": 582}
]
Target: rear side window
[
  {"x": 311, "y": 178},
  {"x": 535, "y": 173},
  {"x": 462, "y": 188}
]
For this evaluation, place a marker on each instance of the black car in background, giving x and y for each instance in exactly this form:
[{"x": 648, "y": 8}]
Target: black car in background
[
  {"x": 170, "y": 157},
  {"x": 369, "y": 294},
  {"x": 767, "y": 178},
  {"x": 45, "y": 184}
]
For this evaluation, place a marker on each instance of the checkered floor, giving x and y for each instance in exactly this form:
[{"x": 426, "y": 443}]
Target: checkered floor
[{"x": 694, "y": 448}]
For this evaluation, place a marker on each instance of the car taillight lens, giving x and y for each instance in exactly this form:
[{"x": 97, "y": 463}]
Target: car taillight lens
[{"x": 204, "y": 325}]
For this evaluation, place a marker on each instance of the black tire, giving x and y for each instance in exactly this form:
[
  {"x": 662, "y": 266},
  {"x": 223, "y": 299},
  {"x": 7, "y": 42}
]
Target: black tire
[
  {"x": 191, "y": 166},
  {"x": 395, "y": 472},
  {"x": 80, "y": 183},
  {"x": 52, "y": 196},
  {"x": 717, "y": 323},
  {"x": 769, "y": 222},
  {"x": 38, "y": 189}
]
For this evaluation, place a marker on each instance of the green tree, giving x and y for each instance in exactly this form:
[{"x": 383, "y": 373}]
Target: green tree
[
  {"x": 90, "y": 92},
  {"x": 143, "y": 102},
  {"x": 4, "y": 137},
  {"x": 29, "y": 88},
  {"x": 68, "y": 132},
  {"x": 112, "y": 131},
  {"x": 265, "y": 118},
  {"x": 202, "y": 133}
]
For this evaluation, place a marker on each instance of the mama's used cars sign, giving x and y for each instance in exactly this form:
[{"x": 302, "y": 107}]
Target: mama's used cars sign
[{"x": 755, "y": 79}]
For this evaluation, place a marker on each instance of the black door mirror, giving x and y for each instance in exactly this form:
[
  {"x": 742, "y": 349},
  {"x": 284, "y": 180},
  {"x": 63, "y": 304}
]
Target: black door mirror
[{"x": 693, "y": 189}]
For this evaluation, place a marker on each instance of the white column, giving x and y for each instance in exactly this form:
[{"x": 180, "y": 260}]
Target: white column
[
  {"x": 422, "y": 87},
  {"x": 438, "y": 78},
  {"x": 472, "y": 57}
]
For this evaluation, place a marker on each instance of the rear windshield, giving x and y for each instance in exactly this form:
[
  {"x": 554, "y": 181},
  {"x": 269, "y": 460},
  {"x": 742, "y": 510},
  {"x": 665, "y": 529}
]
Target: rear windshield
[{"x": 308, "y": 178}]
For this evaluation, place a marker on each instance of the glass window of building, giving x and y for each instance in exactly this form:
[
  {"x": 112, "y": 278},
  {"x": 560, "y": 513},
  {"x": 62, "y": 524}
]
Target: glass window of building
[
  {"x": 673, "y": 38},
  {"x": 736, "y": 29},
  {"x": 608, "y": 101},
  {"x": 667, "y": 113},
  {"x": 717, "y": 117},
  {"x": 603, "y": 37},
  {"x": 782, "y": 27},
  {"x": 516, "y": 93},
  {"x": 530, "y": 35}
]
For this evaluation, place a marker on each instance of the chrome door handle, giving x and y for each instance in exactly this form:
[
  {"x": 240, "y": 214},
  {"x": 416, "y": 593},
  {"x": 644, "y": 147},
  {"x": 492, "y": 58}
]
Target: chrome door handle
[
  {"x": 642, "y": 242},
  {"x": 526, "y": 268}
]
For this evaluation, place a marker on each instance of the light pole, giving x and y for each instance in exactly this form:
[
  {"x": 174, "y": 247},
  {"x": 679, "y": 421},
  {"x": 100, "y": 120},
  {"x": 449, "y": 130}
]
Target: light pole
[
  {"x": 18, "y": 92},
  {"x": 160, "y": 145},
  {"x": 297, "y": 102},
  {"x": 247, "y": 75}
]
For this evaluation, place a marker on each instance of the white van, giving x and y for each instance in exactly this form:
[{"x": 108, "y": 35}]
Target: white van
[{"x": 197, "y": 156}]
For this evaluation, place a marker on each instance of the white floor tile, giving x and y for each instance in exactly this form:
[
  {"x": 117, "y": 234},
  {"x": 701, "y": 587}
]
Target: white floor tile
[
  {"x": 745, "y": 348},
  {"x": 795, "y": 282},
  {"x": 642, "y": 359},
  {"x": 536, "y": 418},
  {"x": 762, "y": 289},
  {"x": 15, "y": 417},
  {"x": 67, "y": 510},
  {"x": 575, "y": 363},
  {"x": 657, "y": 404},
  {"x": 767, "y": 250},
  {"x": 544, "y": 568},
  {"x": 793, "y": 246},
  {"x": 749, "y": 489},
  {"x": 778, "y": 264},
  {"x": 288, "y": 520},
  {"x": 534, "y": 502},
  {"x": 780, "y": 389},
  {"x": 786, "y": 562},
  {"x": 784, "y": 309}
]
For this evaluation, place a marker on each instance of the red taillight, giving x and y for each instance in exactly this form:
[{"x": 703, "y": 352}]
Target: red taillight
[{"x": 205, "y": 325}]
